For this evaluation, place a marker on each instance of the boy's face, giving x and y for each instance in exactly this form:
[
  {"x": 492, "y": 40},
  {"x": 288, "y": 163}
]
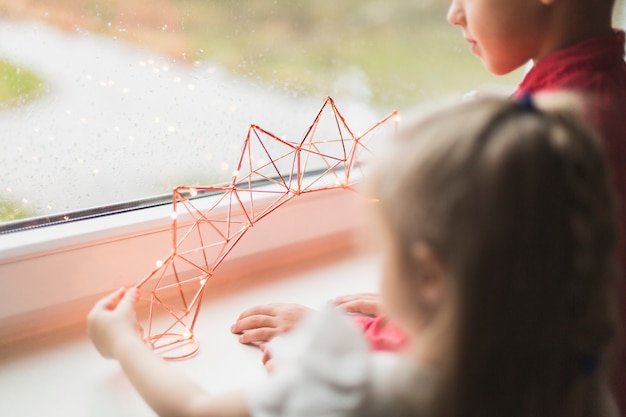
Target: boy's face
[{"x": 505, "y": 34}]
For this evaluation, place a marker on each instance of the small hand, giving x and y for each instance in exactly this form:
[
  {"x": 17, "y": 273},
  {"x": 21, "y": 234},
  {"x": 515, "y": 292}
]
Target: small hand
[
  {"x": 363, "y": 303},
  {"x": 267, "y": 358},
  {"x": 112, "y": 320},
  {"x": 261, "y": 323}
]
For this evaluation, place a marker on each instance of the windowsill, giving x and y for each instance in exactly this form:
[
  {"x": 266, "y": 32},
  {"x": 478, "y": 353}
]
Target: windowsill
[
  {"x": 50, "y": 277},
  {"x": 61, "y": 371}
]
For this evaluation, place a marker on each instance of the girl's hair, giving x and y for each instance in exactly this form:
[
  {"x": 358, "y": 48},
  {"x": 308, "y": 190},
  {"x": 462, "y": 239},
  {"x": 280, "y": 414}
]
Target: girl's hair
[{"x": 516, "y": 203}]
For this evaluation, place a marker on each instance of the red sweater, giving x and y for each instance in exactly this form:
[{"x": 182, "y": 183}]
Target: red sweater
[{"x": 595, "y": 67}]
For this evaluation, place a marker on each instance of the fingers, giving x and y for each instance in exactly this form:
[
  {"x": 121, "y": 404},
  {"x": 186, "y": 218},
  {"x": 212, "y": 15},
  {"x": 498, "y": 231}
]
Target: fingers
[
  {"x": 253, "y": 322},
  {"x": 258, "y": 335},
  {"x": 269, "y": 366},
  {"x": 360, "y": 296},
  {"x": 255, "y": 329},
  {"x": 261, "y": 310},
  {"x": 365, "y": 303},
  {"x": 110, "y": 301},
  {"x": 129, "y": 298},
  {"x": 362, "y": 307},
  {"x": 115, "y": 298},
  {"x": 261, "y": 323},
  {"x": 266, "y": 356}
]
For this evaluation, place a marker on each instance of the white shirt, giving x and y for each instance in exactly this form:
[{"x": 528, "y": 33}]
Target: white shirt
[{"x": 324, "y": 368}]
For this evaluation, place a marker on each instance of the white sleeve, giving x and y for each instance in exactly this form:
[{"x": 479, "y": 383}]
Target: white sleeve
[{"x": 321, "y": 369}]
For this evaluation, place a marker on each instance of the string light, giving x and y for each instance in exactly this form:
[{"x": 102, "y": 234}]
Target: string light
[{"x": 204, "y": 245}]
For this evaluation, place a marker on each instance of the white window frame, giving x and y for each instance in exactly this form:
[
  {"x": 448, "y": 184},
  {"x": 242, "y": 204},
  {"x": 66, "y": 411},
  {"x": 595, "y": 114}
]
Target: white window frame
[{"x": 51, "y": 276}]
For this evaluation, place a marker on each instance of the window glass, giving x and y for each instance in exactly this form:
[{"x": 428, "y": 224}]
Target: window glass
[{"x": 105, "y": 102}]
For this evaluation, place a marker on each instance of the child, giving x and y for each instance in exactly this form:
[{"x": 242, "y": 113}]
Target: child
[
  {"x": 573, "y": 47},
  {"x": 498, "y": 235}
]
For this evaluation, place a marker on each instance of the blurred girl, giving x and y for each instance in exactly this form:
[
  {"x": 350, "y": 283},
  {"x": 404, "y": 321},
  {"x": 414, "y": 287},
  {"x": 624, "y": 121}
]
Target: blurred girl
[{"x": 497, "y": 228}]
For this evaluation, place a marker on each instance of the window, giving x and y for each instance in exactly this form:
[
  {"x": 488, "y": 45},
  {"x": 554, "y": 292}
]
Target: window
[{"x": 108, "y": 102}]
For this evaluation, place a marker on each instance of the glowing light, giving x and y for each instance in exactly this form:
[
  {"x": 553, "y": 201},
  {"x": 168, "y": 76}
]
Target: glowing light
[
  {"x": 174, "y": 215},
  {"x": 159, "y": 263},
  {"x": 193, "y": 192}
]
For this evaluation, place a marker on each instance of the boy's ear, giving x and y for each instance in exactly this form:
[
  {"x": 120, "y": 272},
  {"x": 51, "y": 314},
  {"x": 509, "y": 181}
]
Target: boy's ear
[{"x": 431, "y": 276}]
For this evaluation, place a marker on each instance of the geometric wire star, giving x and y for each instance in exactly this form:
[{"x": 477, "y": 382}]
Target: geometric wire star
[{"x": 175, "y": 288}]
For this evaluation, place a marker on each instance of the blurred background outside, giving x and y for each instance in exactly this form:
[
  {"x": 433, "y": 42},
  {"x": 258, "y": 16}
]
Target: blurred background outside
[{"x": 108, "y": 101}]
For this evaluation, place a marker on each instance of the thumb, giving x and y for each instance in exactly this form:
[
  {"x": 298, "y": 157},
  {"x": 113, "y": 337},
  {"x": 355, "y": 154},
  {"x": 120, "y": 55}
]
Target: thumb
[
  {"x": 110, "y": 301},
  {"x": 129, "y": 298}
]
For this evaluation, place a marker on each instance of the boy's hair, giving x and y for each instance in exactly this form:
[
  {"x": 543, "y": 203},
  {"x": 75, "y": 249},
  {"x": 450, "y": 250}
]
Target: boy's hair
[{"x": 517, "y": 204}]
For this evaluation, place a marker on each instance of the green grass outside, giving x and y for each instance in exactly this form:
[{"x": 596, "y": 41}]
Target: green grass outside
[
  {"x": 12, "y": 210},
  {"x": 17, "y": 85},
  {"x": 409, "y": 56}
]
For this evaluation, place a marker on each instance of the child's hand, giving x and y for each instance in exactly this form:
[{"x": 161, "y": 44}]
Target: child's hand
[
  {"x": 261, "y": 323},
  {"x": 112, "y": 321},
  {"x": 363, "y": 303},
  {"x": 267, "y": 358}
]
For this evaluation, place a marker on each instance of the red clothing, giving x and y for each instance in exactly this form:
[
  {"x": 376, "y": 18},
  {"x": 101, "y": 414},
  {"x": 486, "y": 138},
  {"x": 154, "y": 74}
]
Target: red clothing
[
  {"x": 596, "y": 67},
  {"x": 381, "y": 333}
]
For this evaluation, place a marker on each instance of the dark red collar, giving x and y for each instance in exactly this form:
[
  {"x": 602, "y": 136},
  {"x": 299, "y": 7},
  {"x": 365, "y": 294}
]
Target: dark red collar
[{"x": 591, "y": 55}]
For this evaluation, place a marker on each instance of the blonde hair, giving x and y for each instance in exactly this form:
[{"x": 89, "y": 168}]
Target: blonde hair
[{"x": 516, "y": 203}]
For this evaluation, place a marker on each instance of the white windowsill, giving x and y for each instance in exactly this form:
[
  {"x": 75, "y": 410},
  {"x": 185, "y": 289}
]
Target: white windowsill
[
  {"x": 61, "y": 373},
  {"x": 50, "y": 277}
]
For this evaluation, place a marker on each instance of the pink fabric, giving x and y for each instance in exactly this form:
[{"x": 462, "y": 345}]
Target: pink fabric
[
  {"x": 381, "y": 333},
  {"x": 596, "y": 67}
]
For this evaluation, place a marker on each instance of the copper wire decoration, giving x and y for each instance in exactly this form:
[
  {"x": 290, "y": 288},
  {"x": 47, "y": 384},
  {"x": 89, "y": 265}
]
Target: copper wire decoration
[{"x": 177, "y": 285}]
